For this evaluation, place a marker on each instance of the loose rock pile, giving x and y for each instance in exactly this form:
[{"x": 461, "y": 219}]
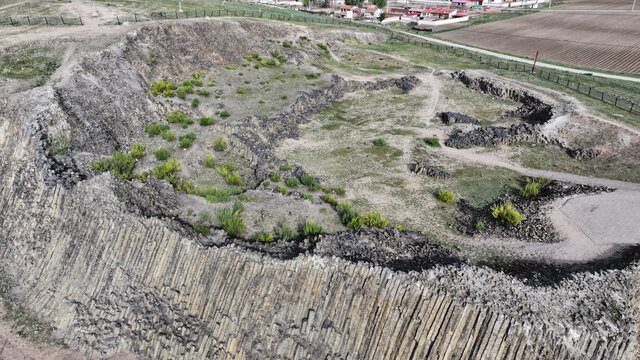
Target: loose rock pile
[
  {"x": 424, "y": 168},
  {"x": 491, "y": 136},
  {"x": 584, "y": 154},
  {"x": 449, "y": 118}
]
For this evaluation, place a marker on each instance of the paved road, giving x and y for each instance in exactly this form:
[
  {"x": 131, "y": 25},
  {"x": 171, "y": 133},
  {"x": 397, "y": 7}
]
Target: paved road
[
  {"x": 521, "y": 60},
  {"x": 584, "y": 180}
]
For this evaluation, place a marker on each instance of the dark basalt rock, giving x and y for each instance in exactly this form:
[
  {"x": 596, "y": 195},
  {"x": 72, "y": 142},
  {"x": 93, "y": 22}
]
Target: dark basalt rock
[
  {"x": 449, "y": 118},
  {"x": 491, "y": 136},
  {"x": 424, "y": 168},
  {"x": 584, "y": 154}
]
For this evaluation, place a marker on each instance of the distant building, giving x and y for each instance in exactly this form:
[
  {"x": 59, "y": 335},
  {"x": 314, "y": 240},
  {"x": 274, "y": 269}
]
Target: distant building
[{"x": 372, "y": 13}]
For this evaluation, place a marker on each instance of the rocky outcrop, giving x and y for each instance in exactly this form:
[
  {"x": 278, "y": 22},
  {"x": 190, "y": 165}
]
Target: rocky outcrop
[
  {"x": 584, "y": 154},
  {"x": 449, "y": 118}
]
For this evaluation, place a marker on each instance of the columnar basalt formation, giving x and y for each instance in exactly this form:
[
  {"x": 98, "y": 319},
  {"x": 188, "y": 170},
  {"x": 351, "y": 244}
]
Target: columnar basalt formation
[{"x": 111, "y": 265}]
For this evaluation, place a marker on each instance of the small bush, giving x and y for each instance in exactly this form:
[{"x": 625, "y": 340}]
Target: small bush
[
  {"x": 307, "y": 180},
  {"x": 166, "y": 171},
  {"x": 187, "y": 140},
  {"x": 231, "y": 221},
  {"x": 311, "y": 229},
  {"x": 195, "y": 103},
  {"x": 156, "y": 129},
  {"x": 286, "y": 233},
  {"x": 533, "y": 187},
  {"x": 203, "y": 92},
  {"x": 209, "y": 162},
  {"x": 241, "y": 91},
  {"x": 282, "y": 190},
  {"x": 282, "y": 59},
  {"x": 223, "y": 113},
  {"x": 276, "y": 177},
  {"x": 506, "y": 214},
  {"x": 322, "y": 46},
  {"x": 286, "y": 167},
  {"x": 226, "y": 169},
  {"x": 284, "y": 97},
  {"x": 206, "y": 121},
  {"x": 329, "y": 200},
  {"x": 432, "y": 141},
  {"x": 379, "y": 142},
  {"x": 162, "y": 88},
  {"x": 292, "y": 182},
  {"x": 315, "y": 187},
  {"x": 234, "y": 179},
  {"x": 176, "y": 117},
  {"x": 211, "y": 83},
  {"x": 238, "y": 207},
  {"x": 340, "y": 191},
  {"x": 267, "y": 183},
  {"x": 306, "y": 196},
  {"x": 355, "y": 222},
  {"x": 264, "y": 238},
  {"x": 446, "y": 196},
  {"x": 286, "y": 44},
  {"x": 327, "y": 190},
  {"x": 168, "y": 135},
  {"x": 121, "y": 164},
  {"x": 311, "y": 76},
  {"x": 202, "y": 229},
  {"x": 374, "y": 219},
  {"x": 479, "y": 226},
  {"x": 137, "y": 151},
  {"x": 220, "y": 144}
]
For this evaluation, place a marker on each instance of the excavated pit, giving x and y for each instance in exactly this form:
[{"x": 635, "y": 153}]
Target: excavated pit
[{"x": 115, "y": 267}]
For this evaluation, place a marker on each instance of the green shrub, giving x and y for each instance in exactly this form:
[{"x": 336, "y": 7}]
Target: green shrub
[
  {"x": 284, "y": 97},
  {"x": 400, "y": 227},
  {"x": 187, "y": 140},
  {"x": 311, "y": 76},
  {"x": 234, "y": 179},
  {"x": 264, "y": 238},
  {"x": 374, "y": 219},
  {"x": 311, "y": 229},
  {"x": 183, "y": 90},
  {"x": 202, "y": 229},
  {"x": 282, "y": 59},
  {"x": 355, "y": 222},
  {"x": 446, "y": 196},
  {"x": 322, "y": 46},
  {"x": 195, "y": 103},
  {"x": 327, "y": 190},
  {"x": 315, "y": 187},
  {"x": 275, "y": 53},
  {"x": 286, "y": 44},
  {"x": 379, "y": 142},
  {"x": 213, "y": 194},
  {"x": 231, "y": 221},
  {"x": 206, "y": 121},
  {"x": 238, "y": 207},
  {"x": 479, "y": 226},
  {"x": 168, "y": 135},
  {"x": 187, "y": 83},
  {"x": 229, "y": 67},
  {"x": 122, "y": 164},
  {"x": 101, "y": 165},
  {"x": 276, "y": 177},
  {"x": 340, "y": 191},
  {"x": 432, "y": 141},
  {"x": 137, "y": 151},
  {"x": 155, "y": 129},
  {"x": 226, "y": 169},
  {"x": 241, "y": 91},
  {"x": 220, "y": 144},
  {"x": 223, "y": 113},
  {"x": 533, "y": 187},
  {"x": 306, "y": 196},
  {"x": 211, "y": 83},
  {"x": 286, "y": 233},
  {"x": 506, "y": 214},
  {"x": 282, "y": 190},
  {"x": 292, "y": 182},
  {"x": 167, "y": 170},
  {"x": 286, "y": 167},
  {"x": 209, "y": 162},
  {"x": 268, "y": 62},
  {"x": 176, "y": 117},
  {"x": 329, "y": 200},
  {"x": 162, "y": 88},
  {"x": 307, "y": 180},
  {"x": 203, "y": 92}
]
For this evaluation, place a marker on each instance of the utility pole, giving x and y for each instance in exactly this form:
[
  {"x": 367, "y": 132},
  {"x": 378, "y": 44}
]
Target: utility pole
[
  {"x": 549, "y": 4},
  {"x": 633, "y": 7}
]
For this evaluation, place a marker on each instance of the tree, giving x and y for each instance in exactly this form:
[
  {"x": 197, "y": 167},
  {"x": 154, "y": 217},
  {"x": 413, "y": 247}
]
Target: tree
[
  {"x": 380, "y": 4},
  {"x": 382, "y": 16}
]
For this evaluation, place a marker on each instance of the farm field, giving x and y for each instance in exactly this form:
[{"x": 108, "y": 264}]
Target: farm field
[
  {"x": 598, "y": 5},
  {"x": 610, "y": 42}
]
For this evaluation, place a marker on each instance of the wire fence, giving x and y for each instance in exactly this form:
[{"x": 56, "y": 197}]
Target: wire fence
[
  {"x": 592, "y": 92},
  {"x": 40, "y": 20}
]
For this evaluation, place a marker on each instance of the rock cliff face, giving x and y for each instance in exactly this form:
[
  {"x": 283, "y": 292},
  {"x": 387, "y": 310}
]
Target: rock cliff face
[{"x": 110, "y": 265}]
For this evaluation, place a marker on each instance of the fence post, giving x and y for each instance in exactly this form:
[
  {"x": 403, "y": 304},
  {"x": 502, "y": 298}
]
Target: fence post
[
  {"x": 28, "y": 20},
  {"x": 118, "y": 20},
  {"x": 79, "y": 18},
  {"x": 602, "y": 96},
  {"x": 11, "y": 20},
  {"x": 135, "y": 17},
  {"x": 46, "y": 21},
  {"x": 616, "y": 103},
  {"x": 631, "y": 110},
  {"x": 61, "y": 18},
  {"x": 589, "y": 91},
  {"x": 176, "y": 15}
]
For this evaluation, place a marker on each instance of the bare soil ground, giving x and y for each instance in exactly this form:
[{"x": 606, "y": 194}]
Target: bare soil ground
[
  {"x": 606, "y": 42},
  {"x": 598, "y": 5}
]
